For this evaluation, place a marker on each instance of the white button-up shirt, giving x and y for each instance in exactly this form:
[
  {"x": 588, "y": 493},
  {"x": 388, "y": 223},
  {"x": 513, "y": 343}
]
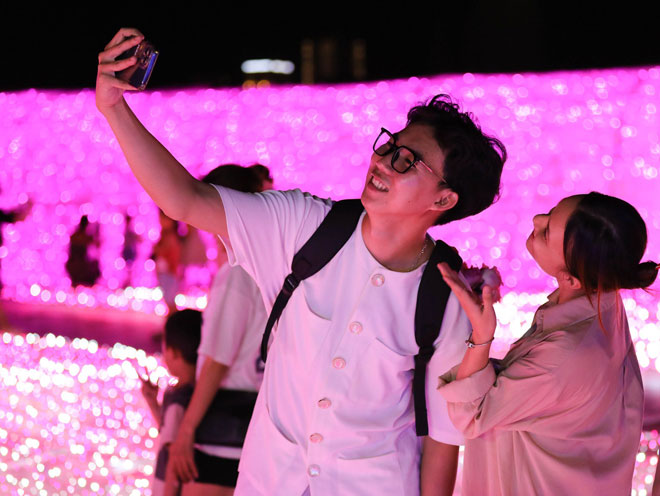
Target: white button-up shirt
[{"x": 335, "y": 412}]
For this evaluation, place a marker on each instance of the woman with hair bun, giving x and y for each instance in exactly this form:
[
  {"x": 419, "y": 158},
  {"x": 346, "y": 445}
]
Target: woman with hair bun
[{"x": 562, "y": 412}]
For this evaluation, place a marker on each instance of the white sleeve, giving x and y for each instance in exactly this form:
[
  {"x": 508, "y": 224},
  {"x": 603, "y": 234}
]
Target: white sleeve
[
  {"x": 228, "y": 317},
  {"x": 449, "y": 352},
  {"x": 265, "y": 231}
]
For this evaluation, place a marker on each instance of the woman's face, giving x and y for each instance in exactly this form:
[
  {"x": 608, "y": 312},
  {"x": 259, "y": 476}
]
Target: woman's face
[{"x": 546, "y": 242}]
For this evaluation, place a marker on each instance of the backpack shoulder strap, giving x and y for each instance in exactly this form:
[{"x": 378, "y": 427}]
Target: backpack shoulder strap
[
  {"x": 432, "y": 299},
  {"x": 336, "y": 228}
]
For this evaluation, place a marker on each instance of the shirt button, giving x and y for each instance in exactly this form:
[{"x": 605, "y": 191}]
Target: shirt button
[
  {"x": 378, "y": 279},
  {"x": 314, "y": 470},
  {"x": 324, "y": 403},
  {"x": 316, "y": 438},
  {"x": 355, "y": 327},
  {"x": 338, "y": 363}
]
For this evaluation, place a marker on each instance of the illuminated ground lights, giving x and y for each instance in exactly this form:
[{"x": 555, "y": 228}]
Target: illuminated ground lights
[
  {"x": 139, "y": 299},
  {"x": 73, "y": 422}
]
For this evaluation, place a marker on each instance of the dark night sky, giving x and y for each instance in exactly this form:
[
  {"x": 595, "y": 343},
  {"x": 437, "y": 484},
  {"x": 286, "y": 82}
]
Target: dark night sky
[{"x": 205, "y": 46}]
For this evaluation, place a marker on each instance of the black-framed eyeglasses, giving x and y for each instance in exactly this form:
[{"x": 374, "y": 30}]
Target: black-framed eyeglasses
[{"x": 403, "y": 158}]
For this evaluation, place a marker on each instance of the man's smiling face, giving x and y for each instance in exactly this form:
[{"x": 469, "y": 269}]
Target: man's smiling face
[{"x": 414, "y": 192}]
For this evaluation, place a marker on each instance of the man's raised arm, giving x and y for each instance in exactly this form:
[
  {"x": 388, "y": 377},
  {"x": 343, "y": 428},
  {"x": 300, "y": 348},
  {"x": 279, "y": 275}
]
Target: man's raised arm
[{"x": 170, "y": 185}]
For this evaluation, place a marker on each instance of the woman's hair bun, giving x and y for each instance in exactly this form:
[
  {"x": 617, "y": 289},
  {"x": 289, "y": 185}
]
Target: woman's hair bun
[{"x": 647, "y": 272}]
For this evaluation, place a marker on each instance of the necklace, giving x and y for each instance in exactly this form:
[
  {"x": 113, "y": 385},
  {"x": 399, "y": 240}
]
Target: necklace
[{"x": 421, "y": 253}]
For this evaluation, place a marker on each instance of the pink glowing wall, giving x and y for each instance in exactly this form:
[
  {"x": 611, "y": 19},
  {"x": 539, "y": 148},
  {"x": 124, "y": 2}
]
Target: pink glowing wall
[
  {"x": 72, "y": 419},
  {"x": 565, "y": 132}
]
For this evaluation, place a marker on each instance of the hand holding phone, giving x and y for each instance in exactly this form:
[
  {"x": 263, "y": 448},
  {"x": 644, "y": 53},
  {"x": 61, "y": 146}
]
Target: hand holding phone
[
  {"x": 138, "y": 74},
  {"x": 109, "y": 87}
]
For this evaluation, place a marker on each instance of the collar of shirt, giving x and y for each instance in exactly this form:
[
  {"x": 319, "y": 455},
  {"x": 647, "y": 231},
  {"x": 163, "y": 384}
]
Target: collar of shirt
[
  {"x": 553, "y": 315},
  {"x": 367, "y": 260}
]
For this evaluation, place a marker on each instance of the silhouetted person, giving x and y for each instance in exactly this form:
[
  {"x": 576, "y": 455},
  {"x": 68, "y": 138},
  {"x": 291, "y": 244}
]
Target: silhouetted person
[
  {"x": 167, "y": 254},
  {"x": 9, "y": 217},
  {"x": 129, "y": 252},
  {"x": 83, "y": 270}
]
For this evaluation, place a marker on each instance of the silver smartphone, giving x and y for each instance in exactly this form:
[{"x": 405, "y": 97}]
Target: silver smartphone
[{"x": 138, "y": 75}]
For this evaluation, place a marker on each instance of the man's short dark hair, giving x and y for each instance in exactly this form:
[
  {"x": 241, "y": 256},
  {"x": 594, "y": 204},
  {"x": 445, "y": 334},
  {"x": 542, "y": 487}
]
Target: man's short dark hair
[
  {"x": 183, "y": 332},
  {"x": 473, "y": 160}
]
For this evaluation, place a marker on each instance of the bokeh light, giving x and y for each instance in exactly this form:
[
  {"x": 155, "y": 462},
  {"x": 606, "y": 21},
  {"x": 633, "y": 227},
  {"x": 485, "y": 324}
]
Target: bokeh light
[{"x": 73, "y": 418}]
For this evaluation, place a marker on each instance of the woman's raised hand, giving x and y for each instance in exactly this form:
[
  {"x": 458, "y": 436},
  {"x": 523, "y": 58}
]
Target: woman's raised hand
[
  {"x": 481, "y": 314},
  {"x": 109, "y": 88}
]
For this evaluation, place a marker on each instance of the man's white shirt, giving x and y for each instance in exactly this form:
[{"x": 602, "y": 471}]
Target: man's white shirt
[{"x": 335, "y": 412}]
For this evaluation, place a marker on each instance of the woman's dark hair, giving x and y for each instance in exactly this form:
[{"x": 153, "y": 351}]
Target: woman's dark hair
[
  {"x": 263, "y": 172},
  {"x": 473, "y": 160},
  {"x": 604, "y": 241},
  {"x": 233, "y": 176},
  {"x": 183, "y": 332}
]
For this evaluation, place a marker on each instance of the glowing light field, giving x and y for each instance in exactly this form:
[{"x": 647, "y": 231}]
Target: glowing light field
[{"x": 71, "y": 417}]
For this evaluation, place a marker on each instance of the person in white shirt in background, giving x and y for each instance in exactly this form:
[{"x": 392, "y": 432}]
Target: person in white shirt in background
[
  {"x": 233, "y": 323},
  {"x": 334, "y": 414}
]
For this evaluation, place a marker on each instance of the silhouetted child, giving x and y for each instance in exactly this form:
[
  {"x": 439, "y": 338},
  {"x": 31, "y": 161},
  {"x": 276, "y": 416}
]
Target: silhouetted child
[{"x": 182, "y": 337}]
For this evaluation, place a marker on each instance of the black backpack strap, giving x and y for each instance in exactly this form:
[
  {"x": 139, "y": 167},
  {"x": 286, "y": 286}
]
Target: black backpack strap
[
  {"x": 432, "y": 299},
  {"x": 336, "y": 228}
]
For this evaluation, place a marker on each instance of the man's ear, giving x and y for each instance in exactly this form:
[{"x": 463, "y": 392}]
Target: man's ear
[{"x": 448, "y": 200}]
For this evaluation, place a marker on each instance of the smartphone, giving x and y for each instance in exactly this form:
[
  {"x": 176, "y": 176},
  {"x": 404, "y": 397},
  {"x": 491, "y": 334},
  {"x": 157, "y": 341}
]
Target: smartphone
[{"x": 138, "y": 75}]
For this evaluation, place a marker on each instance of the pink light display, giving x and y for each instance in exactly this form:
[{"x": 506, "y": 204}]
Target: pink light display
[{"x": 566, "y": 133}]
